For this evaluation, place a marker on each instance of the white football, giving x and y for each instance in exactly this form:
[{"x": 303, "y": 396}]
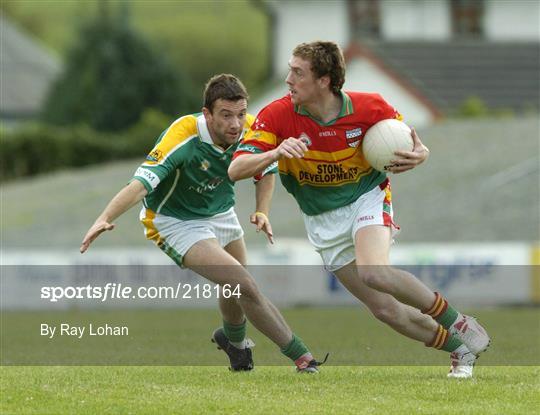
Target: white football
[{"x": 383, "y": 139}]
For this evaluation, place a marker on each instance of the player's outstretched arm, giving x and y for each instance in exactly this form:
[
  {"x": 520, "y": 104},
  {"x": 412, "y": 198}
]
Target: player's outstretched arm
[
  {"x": 407, "y": 160},
  {"x": 126, "y": 198},
  {"x": 263, "y": 195},
  {"x": 249, "y": 165}
]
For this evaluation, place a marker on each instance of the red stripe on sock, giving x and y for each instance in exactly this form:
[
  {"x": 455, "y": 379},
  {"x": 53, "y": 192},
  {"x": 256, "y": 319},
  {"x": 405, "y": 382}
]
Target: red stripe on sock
[
  {"x": 444, "y": 308},
  {"x": 434, "y": 306},
  {"x": 433, "y": 342},
  {"x": 443, "y": 340}
]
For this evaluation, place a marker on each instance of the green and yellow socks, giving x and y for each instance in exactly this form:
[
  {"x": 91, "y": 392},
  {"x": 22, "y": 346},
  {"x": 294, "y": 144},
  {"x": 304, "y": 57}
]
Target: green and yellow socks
[
  {"x": 442, "y": 312},
  {"x": 443, "y": 340},
  {"x": 446, "y": 315}
]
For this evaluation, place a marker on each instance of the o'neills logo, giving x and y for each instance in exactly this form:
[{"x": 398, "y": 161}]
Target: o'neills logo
[
  {"x": 156, "y": 156},
  {"x": 364, "y": 218},
  {"x": 353, "y": 137}
]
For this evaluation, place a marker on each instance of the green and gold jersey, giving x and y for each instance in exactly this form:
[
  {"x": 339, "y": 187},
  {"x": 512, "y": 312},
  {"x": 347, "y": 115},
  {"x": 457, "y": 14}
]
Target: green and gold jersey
[{"x": 185, "y": 174}]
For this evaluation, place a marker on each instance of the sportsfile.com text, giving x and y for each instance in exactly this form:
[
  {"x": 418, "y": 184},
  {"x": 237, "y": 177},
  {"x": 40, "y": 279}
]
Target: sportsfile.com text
[{"x": 119, "y": 291}]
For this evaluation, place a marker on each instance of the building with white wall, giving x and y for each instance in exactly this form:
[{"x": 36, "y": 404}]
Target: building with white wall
[
  {"x": 447, "y": 20},
  {"x": 301, "y": 21},
  {"x": 426, "y": 57}
]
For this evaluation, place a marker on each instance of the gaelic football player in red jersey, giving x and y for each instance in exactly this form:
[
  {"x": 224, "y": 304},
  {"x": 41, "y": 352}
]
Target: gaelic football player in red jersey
[{"x": 315, "y": 134}]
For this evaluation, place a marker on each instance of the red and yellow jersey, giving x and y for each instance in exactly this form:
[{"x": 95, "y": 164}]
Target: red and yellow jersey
[{"x": 333, "y": 172}]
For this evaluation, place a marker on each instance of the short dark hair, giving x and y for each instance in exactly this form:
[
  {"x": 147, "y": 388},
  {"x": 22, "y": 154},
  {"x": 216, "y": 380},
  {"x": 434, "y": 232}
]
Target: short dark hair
[
  {"x": 223, "y": 86},
  {"x": 326, "y": 58}
]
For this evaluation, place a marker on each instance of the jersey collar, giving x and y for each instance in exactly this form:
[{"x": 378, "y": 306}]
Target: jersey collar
[
  {"x": 346, "y": 109},
  {"x": 204, "y": 133}
]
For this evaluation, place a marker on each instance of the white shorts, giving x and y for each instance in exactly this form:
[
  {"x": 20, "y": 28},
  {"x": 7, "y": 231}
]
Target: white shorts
[
  {"x": 175, "y": 236},
  {"x": 333, "y": 233}
]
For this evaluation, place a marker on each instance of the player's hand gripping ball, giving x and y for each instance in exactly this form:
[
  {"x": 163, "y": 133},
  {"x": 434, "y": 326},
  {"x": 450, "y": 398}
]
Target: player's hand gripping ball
[{"x": 383, "y": 139}]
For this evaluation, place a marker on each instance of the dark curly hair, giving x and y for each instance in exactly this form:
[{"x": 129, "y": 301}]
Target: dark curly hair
[{"x": 223, "y": 86}]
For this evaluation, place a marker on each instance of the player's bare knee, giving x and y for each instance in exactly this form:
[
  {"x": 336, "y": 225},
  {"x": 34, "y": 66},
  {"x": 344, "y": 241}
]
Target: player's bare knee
[{"x": 249, "y": 290}]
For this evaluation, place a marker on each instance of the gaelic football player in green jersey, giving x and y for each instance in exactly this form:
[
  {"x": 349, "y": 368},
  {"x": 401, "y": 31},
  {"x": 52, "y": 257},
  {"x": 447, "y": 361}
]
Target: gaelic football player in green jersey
[
  {"x": 315, "y": 133},
  {"x": 188, "y": 211}
]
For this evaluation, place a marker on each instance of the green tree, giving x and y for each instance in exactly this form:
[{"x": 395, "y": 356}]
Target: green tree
[{"x": 112, "y": 75}]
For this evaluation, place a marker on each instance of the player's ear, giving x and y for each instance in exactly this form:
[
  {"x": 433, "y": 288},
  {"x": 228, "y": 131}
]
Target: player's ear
[
  {"x": 207, "y": 113},
  {"x": 324, "y": 82}
]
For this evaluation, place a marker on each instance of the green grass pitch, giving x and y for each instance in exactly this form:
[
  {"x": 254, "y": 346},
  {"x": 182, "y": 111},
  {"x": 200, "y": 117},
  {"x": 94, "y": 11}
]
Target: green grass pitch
[{"x": 370, "y": 369}]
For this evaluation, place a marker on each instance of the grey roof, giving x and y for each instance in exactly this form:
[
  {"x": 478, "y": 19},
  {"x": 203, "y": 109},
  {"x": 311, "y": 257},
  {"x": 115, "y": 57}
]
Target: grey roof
[
  {"x": 502, "y": 75},
  {"x": 26, "y": 72}
]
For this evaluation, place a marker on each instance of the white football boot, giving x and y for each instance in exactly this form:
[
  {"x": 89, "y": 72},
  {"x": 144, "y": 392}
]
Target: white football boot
[
  {"x": 471, "y": 333},
  {"x": 462, "y": 364}
]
